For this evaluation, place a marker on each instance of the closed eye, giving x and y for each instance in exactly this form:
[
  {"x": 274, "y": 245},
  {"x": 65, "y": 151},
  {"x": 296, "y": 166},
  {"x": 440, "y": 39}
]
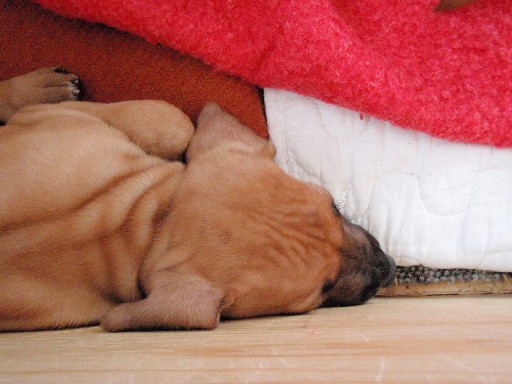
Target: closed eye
[
  {"x": 335, "y": 209},
  {"x": 328, "y": 286}
]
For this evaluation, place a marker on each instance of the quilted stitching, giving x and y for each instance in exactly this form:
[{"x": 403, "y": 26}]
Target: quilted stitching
[{"x": 428, "y": 201}]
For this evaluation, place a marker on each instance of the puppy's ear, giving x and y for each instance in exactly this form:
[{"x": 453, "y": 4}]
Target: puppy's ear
[
  {"x": 176, "y": 300},
  {"x": 216, "y": 128}
]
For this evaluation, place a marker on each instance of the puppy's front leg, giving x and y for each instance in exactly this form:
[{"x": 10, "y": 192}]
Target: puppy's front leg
[
  {"x": 46, "y": 85},
  {"x": 176, "y": 300},
  {"x": 159, "y": 128}
]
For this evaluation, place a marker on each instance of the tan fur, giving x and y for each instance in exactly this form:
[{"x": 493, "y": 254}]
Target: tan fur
[{"x": 99, "y": 223}]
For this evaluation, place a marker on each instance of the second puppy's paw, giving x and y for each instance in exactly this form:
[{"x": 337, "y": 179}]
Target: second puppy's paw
[{"x": 45, "y": 85}]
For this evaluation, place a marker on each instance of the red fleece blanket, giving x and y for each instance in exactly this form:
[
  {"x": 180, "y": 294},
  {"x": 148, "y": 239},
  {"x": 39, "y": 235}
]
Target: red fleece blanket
[{"x": 448, "y": 74}]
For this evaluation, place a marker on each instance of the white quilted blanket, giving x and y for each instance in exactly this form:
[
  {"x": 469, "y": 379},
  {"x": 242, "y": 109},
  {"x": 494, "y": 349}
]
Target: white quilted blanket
[{"x": 428, "y": 201}]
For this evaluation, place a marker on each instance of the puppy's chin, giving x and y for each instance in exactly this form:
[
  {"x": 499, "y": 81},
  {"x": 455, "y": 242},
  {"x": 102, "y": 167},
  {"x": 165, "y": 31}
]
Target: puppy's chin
[{"x": 272, "y": 302}]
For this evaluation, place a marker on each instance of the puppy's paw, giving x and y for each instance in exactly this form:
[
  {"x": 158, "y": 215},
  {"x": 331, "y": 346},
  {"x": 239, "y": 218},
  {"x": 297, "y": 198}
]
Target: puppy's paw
[
  {"x": 69, "y": 83},
  {"x": 46, "y": 85}
]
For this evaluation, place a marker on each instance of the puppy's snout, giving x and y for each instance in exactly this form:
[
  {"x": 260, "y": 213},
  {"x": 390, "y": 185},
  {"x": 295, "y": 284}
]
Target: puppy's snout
[{"x": 365, "y": 268}]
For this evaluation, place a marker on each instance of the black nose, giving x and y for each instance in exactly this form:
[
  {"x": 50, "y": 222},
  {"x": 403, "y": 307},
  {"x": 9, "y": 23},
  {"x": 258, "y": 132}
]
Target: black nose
[{"x": 388, "y": 278}]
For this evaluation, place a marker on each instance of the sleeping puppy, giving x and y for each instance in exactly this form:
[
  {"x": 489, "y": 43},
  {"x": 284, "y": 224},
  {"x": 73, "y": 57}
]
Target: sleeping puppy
[{"x": 101, "y": 224}]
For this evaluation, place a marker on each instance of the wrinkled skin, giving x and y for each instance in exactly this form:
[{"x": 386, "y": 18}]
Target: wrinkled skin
[{"x": 101, "y": 224}]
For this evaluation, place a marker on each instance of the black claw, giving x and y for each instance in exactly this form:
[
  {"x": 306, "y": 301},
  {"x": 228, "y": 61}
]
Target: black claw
[{"x": 61, "y": 70}]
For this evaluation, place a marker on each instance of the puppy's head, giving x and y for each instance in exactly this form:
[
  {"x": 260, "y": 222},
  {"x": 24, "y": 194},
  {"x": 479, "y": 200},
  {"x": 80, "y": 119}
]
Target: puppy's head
[{"x": 272, "y": 243}]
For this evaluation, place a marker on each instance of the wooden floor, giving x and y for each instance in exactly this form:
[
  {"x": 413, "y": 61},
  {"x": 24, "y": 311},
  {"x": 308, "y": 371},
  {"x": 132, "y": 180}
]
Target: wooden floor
[{"x": 407, "y": 340}]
